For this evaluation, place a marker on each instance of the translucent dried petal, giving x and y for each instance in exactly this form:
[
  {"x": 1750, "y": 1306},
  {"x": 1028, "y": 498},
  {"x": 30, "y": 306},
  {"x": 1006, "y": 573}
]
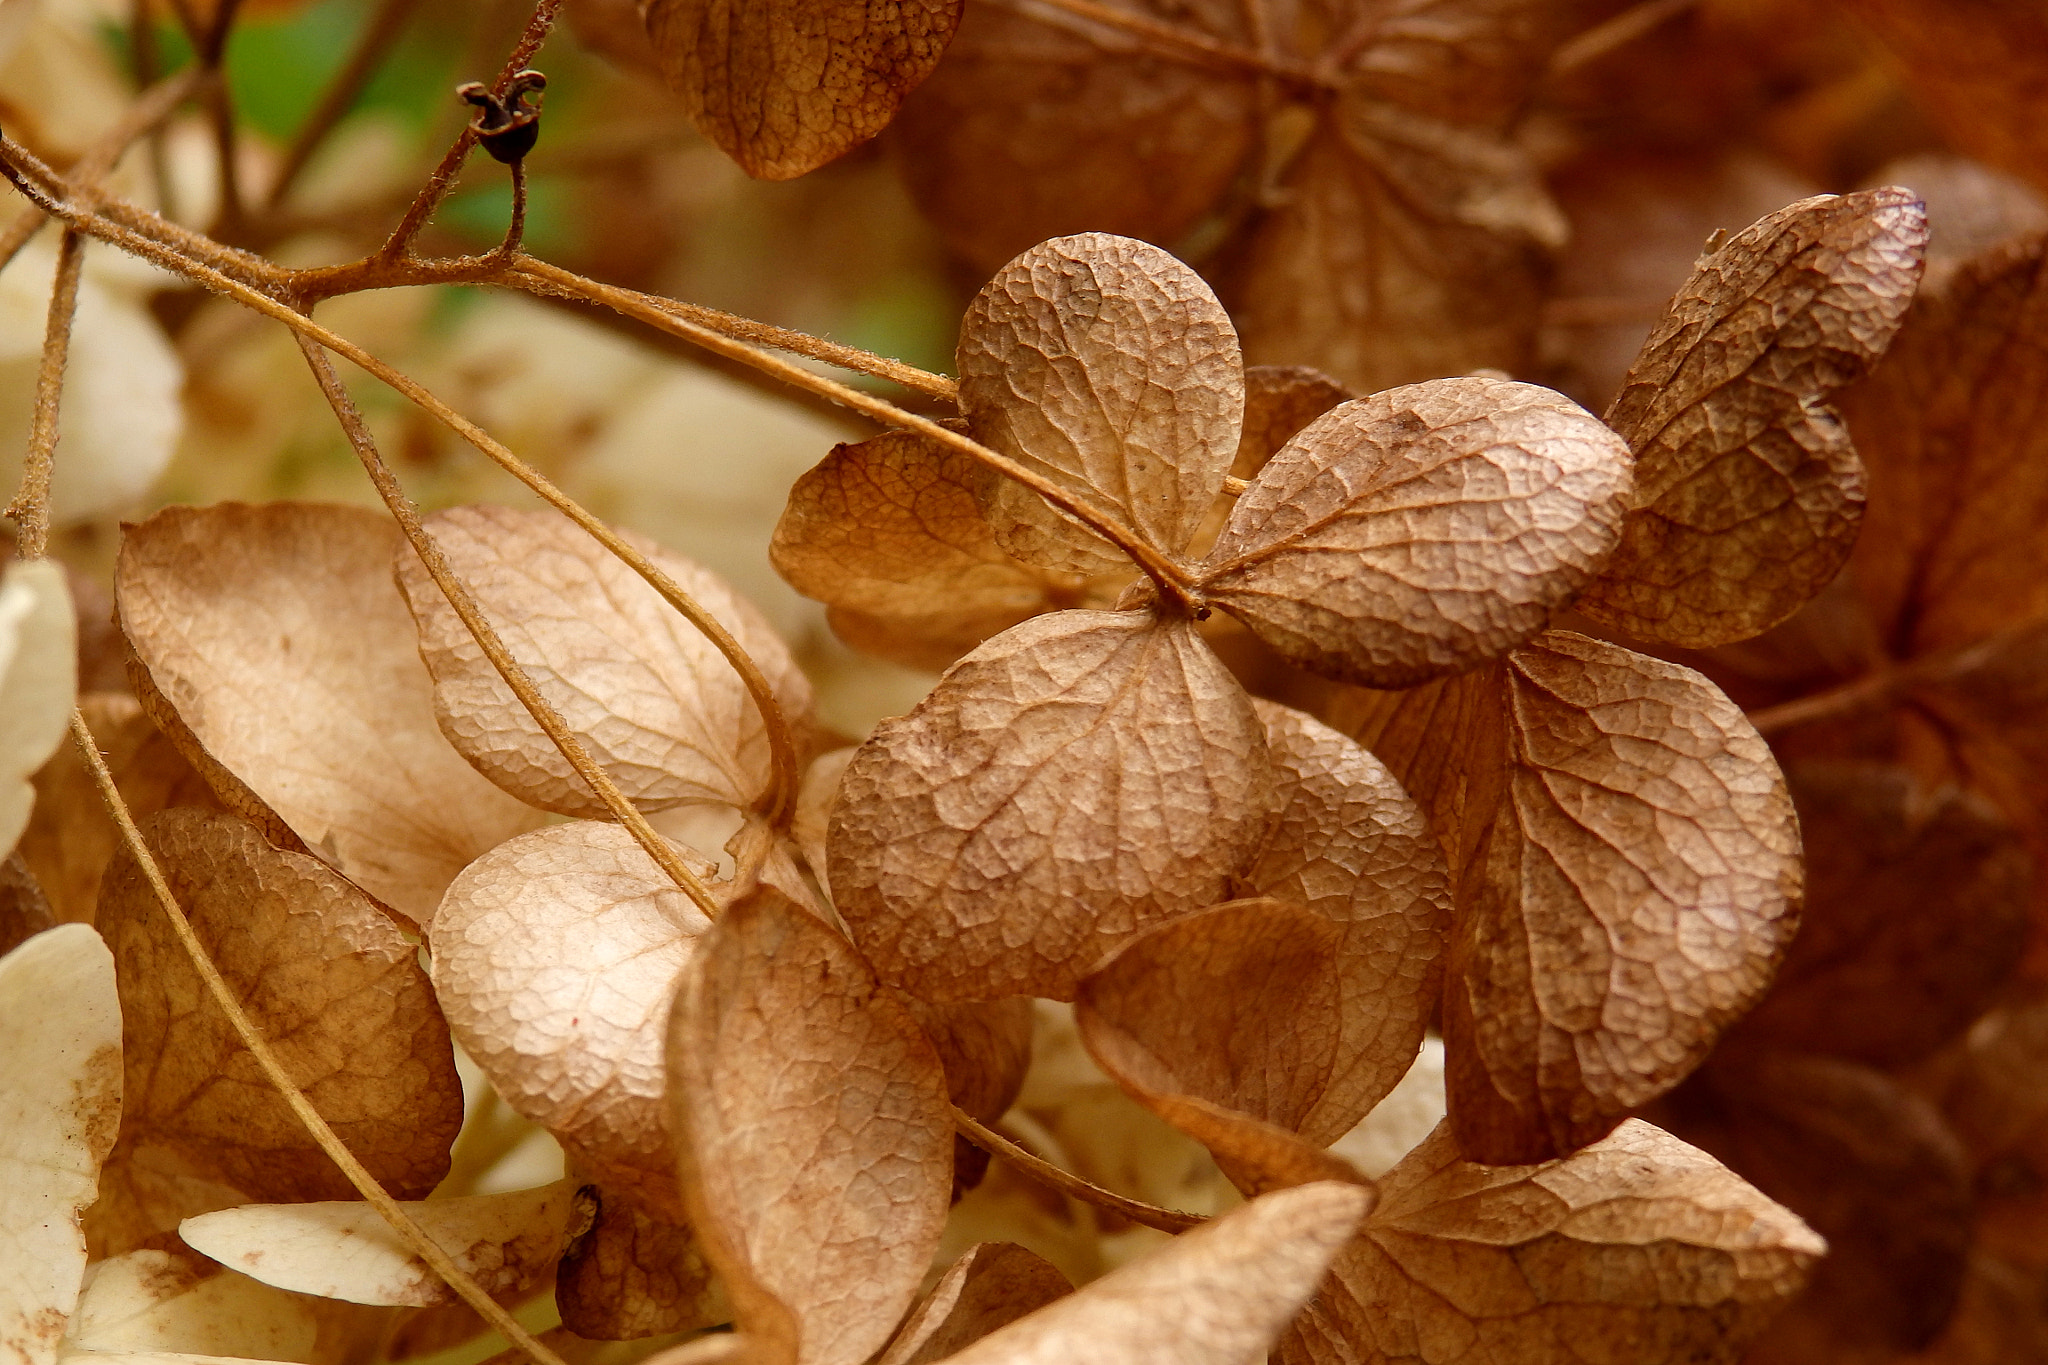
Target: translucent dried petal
[
  {"x": 277, "y": 635},
  {"x": 60, "y": 1089},
  {"x": 657, "y": 705},
  {"x": 556, "y": 957}
]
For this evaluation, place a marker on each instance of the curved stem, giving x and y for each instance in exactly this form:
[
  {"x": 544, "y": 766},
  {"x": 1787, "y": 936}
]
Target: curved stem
[
  {"x": 516, "y": 677},
  {"x": 780, "y": 800},
  {"x": 1172, "y": 579},
  {"x": 1150, "y": 1215},
  {"x": 273, "y": 1070},
  {"x": 538, "y": 277},
  {"x": 443, "y": 178},
  {"x": 30, "y": 508}
]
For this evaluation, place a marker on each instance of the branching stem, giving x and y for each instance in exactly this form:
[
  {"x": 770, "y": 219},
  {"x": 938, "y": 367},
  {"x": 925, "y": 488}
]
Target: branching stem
[
  {"x": 399, "y": 244},
  {"x": 1043, "y": 1171},
  {"x": 30, "y": 508},
  {"x": 252, "y": 1038},
  {"x": 473, "y": 619}
]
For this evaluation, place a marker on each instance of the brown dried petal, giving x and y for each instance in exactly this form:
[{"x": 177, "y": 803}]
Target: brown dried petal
[
  {"x": 1279, "y": 400},
  {"x": 1638, "y": 885},
  {"x": 1349, "y": 275},
  {"x": 636, "y": 1273},
  {"x": 1217, "y": 1295},
  {"x": 277, "y": 635},
  {"x": 69, "y": 838},
  {"x": 890, "y": 529},
  {"x": 1111, "y": 362},
  {"x": 1638, "y": 1248},
  {"x": 1073, "y": 781},
  {"x": 24, "y": 909},
  {"x": 1871, "y": 1167},
  {"x": 1033, "y": 129},
  {"x": 1748, "y": 490},
  {"x": 326, "y": 976},
  {"x": 556, "y": 957},
  {"x": 60, "y": 1089},
  {"x": 657, "y": 705},
  {"x": 1238, "y": 1005},
  {"x": 1954, "y": 426},
  {"x": 1349, "y": 844},
  {"x": 1446, "y": 741},
  {"x": 786, "y": 85},
  {"x": 816, "y": 1132},
  {"x": 1421, "y": 531},
  {"x": 993, "y": 1285},
  {"x": 1917, "y": 906}
]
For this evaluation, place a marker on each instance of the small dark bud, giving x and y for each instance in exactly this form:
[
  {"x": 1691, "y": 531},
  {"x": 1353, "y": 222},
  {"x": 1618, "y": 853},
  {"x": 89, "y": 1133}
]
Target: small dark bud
[{"x": 506, "y": 127}]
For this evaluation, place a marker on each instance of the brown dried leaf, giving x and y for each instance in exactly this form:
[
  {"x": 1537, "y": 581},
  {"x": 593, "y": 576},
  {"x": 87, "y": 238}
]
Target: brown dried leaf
[
  {"x": 60, "y": 1089},
  {"x": 69, "y": 838},
  {"x": 1638, "y": 1248},
  {"x": 1238, "y": 1004},
  {"x": 277, "y": 635},
  {"x": 993, "y": 1285},
  {"x": 1748, "y": 490},
  {"x": 1917, "y": 905},
  {"x": 1111, "y": 363},
  {"x": 1279, "y": 400},
  {"x": 24, "y": 909},
  {"x": 1954, "y": 427},
  {"x": 890, "y": 529},
  {"x": 1872, "y": 1167},
  {"x": 1422, "y": 531},
  {"x": 1076, "y": 779},
  {"x": 816, "y": 1132},
  {"x": 506, "y": 1242},
  {"x": 1217, "y": 1295},
  {"x": 556, "y": 957},
  {"x": 656, "y": 704},
  {"x": 1349, "y": 844},
  {"x": 1033, "y": 129},
  {"x": 332, "y": 983},
  {"x": 635, "y": 1273},
  {"x": 786, "y": 85},
  {"x": 1638, "y": 885},
  {"x": 1446, "y": 741},
  {"x": 1407, "y": 247}
]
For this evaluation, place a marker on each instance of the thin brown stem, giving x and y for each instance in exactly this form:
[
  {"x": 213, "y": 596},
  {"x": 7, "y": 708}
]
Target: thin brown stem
[
  {"x": 515, "y": 231},
  {"x": 538, "y": 277},
  {"x": 780, "y": 799},
  {"x": 30, "y": 508},
  {"x": 1172, "y": 578},
  {"x": 1887, "y": 681},
  {"x": 473, "y": 619},
  {"x": 1171, "y": 40},
  {"x": 1066, "y": 1182},
  {"x": 369, "y": 53},
  {"x": 273, "y": 1070},
  {"x": 221, "y": 105},
  {"x": 442, "y": 180},
  {"x": 145, "y": 115}
]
